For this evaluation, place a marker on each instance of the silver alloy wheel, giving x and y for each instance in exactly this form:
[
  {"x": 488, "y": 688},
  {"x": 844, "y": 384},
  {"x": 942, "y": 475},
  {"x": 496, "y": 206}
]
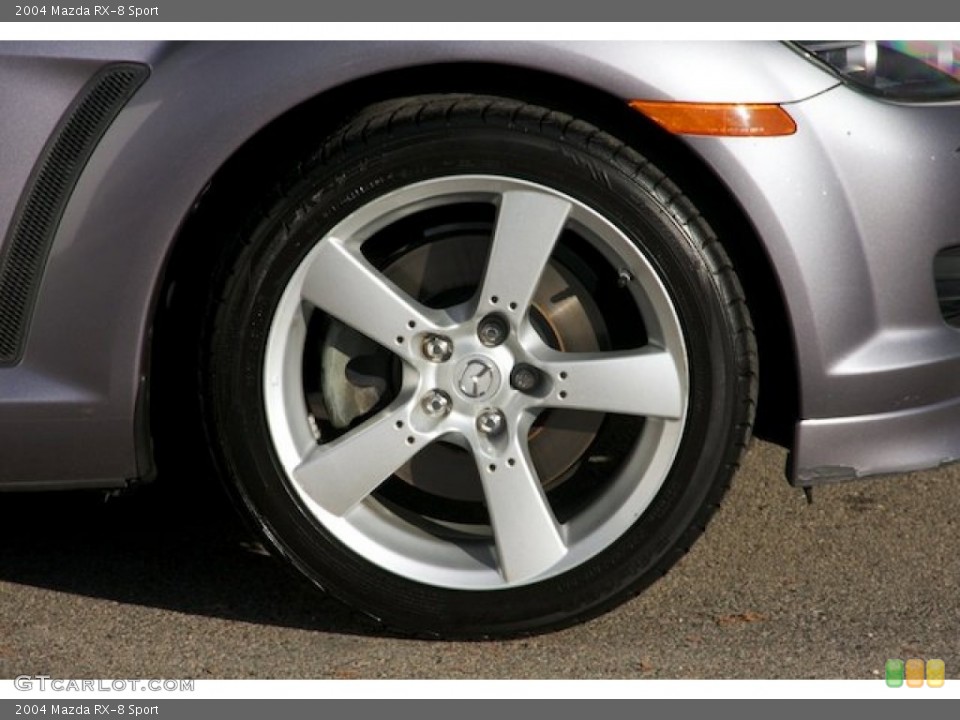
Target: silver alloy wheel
[{"x": 336, "y": 479}]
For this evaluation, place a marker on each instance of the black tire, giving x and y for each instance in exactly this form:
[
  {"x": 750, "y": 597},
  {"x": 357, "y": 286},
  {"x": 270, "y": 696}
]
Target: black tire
[{"x": 393, "y": 145}]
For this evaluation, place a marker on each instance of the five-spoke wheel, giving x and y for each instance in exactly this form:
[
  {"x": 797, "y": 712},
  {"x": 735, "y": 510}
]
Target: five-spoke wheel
[{"x": 480, "y": 370}]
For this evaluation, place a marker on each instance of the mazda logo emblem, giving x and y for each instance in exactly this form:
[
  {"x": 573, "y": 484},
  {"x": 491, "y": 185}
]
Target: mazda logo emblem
[{"x": 476, "y": 379}]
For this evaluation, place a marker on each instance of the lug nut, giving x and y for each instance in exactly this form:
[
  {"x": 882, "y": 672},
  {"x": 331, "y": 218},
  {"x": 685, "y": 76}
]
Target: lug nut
[
  {"x": 436, "y": 403},
  {"x": 524, "y": 378},
  {"x": 491, "y": 422},
  {"x": 437, "y": 348},
  {"x": 492, "y": 330}
]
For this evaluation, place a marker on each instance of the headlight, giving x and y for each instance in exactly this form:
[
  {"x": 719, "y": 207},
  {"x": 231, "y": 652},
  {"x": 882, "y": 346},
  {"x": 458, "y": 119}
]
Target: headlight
[{"x": 896, "y": 69}]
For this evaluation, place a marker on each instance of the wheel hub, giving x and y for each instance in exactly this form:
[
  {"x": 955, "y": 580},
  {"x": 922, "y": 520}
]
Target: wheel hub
[{"x": 451, "y": 266}]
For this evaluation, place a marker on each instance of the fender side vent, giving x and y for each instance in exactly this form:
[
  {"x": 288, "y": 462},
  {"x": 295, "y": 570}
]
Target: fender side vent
[
  {"x": 54, "y": 177},
  {"x": 946, "y": 277}
]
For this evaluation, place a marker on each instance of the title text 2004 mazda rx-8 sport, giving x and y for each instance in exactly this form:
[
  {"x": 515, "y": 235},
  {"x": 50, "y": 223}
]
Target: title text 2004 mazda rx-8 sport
[{"x": 477, "y": 332}]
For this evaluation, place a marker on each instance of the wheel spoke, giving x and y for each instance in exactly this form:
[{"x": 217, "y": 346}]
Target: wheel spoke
[
  {"x": 344, "y": 285},
  {"x": 338, "y": 475},
  {"x": 637, "y": 382},
  {"x": 528, "y": 225},
  {"x": 528, "y": 538}
]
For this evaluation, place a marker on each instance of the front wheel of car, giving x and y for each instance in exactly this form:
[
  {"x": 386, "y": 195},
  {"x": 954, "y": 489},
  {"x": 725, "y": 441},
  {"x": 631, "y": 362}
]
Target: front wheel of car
[{"x": 478, "y": 368}]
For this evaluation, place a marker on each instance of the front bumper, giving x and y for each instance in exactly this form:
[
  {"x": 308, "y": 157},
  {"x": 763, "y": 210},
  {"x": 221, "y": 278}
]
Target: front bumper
[{"x": 853, "y": 209}]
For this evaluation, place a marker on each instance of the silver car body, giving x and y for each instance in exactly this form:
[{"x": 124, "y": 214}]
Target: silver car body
[{"x": 849, "y": 212}]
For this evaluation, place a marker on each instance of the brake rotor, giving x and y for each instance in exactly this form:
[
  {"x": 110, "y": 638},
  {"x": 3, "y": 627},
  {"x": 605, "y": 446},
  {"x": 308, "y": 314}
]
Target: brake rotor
[{"x": 356, "y": 378}]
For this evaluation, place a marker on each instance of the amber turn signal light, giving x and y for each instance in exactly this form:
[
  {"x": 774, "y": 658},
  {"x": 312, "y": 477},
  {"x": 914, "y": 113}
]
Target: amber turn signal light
[{"x": 725, "y": 119}]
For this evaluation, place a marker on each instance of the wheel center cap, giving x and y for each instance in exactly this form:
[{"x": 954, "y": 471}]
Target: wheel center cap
[{"x": 477, "y": 378}]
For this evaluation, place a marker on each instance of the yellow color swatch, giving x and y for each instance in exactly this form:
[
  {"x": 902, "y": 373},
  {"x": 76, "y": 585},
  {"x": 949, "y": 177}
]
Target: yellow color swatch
[{"x": 936, "y": 671}]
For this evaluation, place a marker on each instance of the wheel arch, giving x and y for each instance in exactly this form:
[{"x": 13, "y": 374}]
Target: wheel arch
[{"x": 247, "y": 176}]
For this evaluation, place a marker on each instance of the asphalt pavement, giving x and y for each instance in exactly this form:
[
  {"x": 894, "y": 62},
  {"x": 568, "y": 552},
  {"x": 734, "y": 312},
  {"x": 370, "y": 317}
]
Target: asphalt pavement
[{"x": 165, "y": 583}]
